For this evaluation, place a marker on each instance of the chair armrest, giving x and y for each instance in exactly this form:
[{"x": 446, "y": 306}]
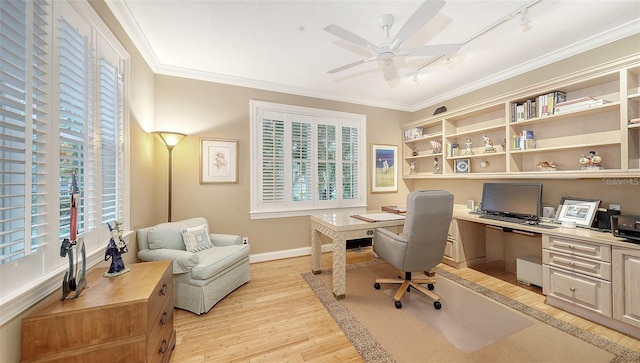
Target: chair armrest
[
  {"x": 225, "y": 239},
  {"x": 387, "y": 234},
  {"x": 183, "y": 261}
]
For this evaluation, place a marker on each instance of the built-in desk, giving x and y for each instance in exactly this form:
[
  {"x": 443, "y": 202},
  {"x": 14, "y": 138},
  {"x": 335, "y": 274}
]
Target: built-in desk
[{"x": 589, "y": 273}]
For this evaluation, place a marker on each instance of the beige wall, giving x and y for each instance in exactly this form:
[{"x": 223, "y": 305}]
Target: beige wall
[{"x": 212, "y": 110}]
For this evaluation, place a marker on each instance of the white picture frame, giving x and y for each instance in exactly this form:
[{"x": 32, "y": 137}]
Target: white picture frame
[
  {"x": 579, "y": 210},
  {"x": 218, "y": 161}
]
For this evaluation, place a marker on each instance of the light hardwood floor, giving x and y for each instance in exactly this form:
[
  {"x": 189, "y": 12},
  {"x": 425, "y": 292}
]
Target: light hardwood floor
[{"x": 277, "y": 318}]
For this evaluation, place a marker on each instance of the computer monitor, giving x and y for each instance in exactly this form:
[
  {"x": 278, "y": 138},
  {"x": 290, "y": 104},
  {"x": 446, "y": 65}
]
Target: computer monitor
[{"x": 520, "y": 200}]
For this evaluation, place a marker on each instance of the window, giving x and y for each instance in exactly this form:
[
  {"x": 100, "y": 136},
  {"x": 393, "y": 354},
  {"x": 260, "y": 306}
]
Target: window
[
  {"x": 305, "y": 160},
  {"x": 63, "y": 110}
]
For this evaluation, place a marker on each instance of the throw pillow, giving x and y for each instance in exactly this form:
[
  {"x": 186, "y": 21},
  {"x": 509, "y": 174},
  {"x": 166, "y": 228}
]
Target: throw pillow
[{"x": 196, "y": 238}]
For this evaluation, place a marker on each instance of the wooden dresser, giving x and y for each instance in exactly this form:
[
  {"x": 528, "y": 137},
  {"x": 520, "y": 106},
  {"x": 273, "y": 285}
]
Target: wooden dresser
[{"x": 128, "y": 318}]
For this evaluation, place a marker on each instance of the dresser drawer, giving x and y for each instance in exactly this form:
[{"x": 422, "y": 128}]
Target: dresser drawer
[
  {"x": 590, "y": 293},
  {"x": 160, "y": 335},
  {"x": 159, "y": 296},
  {"x": 591, "y": 267},
  {"x": 577, "y": 247}
]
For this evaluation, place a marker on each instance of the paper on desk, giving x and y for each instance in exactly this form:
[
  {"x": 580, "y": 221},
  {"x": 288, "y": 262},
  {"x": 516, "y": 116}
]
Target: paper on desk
[{"x": 378, "y": 217}]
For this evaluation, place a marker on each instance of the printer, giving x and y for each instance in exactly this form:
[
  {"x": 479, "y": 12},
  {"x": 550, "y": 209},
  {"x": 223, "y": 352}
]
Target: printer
[{"x": 626, "y": 227}]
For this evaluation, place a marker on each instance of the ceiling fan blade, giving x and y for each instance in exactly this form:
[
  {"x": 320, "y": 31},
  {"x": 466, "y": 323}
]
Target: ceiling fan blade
[
  {"x": 429, "y": 50},
  {"x": 347, "y": 66},
  {"x": 389, "y": 70},
  {"x": 349, "y": 36},
  {"x": 425, "y": 12}
]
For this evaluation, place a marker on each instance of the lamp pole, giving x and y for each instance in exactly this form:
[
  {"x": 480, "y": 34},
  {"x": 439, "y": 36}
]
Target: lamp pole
[{"x": 170, "y": 139}]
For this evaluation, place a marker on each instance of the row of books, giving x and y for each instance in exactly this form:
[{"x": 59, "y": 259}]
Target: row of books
[
  {"x": 543, "y": 105},
  {"x": 524, "y": 141},
  {"x": 578, "y": 104}
]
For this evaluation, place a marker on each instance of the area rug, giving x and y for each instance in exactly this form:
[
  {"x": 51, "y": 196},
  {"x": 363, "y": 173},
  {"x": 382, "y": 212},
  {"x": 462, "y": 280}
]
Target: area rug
[{"x": 382, "y": 333}]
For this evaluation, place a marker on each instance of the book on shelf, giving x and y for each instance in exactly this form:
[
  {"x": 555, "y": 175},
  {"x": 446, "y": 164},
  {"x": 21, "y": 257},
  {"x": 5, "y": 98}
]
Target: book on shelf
[
  {"x": 634, "y": 121},
  {"x": 524, "y": 141},
  {"x": 453, "y": 150},
  {"x": 578, "y": 104}
]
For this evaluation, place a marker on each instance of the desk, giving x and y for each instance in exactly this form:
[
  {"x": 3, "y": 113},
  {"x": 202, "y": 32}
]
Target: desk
[{"x": 340, "y": 227}]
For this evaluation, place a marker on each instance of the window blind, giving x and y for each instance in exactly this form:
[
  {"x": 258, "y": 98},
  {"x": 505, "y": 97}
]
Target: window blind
[{"x": 23, "y": 83}]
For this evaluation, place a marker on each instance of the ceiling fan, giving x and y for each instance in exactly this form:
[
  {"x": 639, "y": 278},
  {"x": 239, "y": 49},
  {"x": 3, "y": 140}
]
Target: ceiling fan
[{"x": 389, "y": 48}]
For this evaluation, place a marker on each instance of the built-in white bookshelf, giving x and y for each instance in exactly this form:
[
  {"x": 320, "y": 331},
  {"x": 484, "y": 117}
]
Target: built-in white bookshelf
[{"x": 593, "y": 120}]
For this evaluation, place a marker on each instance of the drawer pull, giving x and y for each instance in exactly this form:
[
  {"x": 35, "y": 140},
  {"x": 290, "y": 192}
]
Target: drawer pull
[
  {"x": 369, "y": 233},
  {"x": 163, "y": 320},
  {"x": 164, "y": 289},
  {"x": 163, "y": 348},
  {"x": 573, "y": 289}
]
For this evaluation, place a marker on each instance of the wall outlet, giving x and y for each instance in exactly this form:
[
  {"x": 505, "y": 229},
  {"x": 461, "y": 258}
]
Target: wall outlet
[
  {"x": 245, "y": 240},
  {"x": 614, "y": 206}
]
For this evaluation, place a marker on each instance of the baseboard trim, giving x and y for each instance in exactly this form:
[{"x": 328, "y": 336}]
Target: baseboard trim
[{"x": 279, "y": 255}]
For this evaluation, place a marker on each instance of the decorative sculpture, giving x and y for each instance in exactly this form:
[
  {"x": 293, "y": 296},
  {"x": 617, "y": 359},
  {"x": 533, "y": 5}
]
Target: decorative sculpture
[
  {"x": 469, "y": 147},
  {"x": 488, "y": 144},
  {"x": 591, "y": 161},
  {"x": 73, "y": 281},
  {"x": 436, "y": 166},
  {"x": 116, "y": 247},
  {"x": 412, "y": 168}
]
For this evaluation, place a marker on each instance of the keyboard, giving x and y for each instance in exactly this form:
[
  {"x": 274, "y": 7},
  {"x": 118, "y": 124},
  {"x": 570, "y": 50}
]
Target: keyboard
[{"x": 503, "y": 218}]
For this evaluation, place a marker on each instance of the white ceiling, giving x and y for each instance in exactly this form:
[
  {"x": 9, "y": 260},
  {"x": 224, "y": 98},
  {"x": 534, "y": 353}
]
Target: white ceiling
[{"x": 281, "y": 45}]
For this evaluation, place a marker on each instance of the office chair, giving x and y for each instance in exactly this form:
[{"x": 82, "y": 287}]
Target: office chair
[{"x": 420, "y": 246}]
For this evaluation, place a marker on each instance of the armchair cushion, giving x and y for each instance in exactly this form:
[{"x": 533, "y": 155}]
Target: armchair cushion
[
  {"x": 166, "y": 235},
  {"x": 183, "y": 261},
  {"x": 196, "y": 238}
]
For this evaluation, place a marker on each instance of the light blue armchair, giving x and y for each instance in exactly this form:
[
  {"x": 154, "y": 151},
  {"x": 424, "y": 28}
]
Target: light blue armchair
[{"x": 206, "y": 266}]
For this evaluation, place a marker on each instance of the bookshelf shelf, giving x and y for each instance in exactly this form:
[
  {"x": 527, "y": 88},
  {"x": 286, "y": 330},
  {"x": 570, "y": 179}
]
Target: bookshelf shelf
[{"x": 560, "y": 137}]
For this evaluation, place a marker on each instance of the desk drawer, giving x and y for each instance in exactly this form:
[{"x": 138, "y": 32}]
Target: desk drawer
[
  {"x": 576, "y": 247},
  {"x": 591, "y": 267},
  {"x": 588, "y": 292}
]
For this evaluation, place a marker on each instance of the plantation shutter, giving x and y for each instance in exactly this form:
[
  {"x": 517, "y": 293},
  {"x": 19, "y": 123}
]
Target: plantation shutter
[
  {"x": 326, "y": 161},
  {"x": 23, "y": 100},
  {"x": 350, "y": 167},
  {"x": 272, "y": 159},
  {"x": 109, "y": 140},
  {"x": 75, "y": 104},
  {"x": 301, "y": 160}
]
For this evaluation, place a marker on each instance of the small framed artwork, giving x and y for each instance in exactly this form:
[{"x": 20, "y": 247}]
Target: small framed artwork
[
  {"x": 581, "y": 211},
  {"x": 218, "y": 161},
  {"x": 462, "y": 166},
  {"x": 384, "y": 177}
]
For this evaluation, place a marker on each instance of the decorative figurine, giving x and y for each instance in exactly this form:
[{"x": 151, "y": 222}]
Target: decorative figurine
[
  {"x": 73, "y": 281},
  {"x": 116, "y": 247},
  {"x": 469, "y": 146},
  {"x": 504, "y": 144},
  {"x": 412, "y": 166},
  {"x": 436, "y": 165},
  {"x": 415, "y": 152},
  {"x": 546, "y": 166},
  {"x": 488, "y": 144},
  {"x": 591, "y": 161},
  {"x": 436, "y": 146}
]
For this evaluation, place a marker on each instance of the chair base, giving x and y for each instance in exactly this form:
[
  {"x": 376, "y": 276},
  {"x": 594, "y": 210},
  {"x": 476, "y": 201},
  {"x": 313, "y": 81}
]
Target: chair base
[{"x": 406, "y": 284}]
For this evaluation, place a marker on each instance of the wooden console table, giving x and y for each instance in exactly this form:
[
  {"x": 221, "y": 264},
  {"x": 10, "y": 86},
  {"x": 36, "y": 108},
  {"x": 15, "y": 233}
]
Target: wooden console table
[{"x": 127, "y": 318}]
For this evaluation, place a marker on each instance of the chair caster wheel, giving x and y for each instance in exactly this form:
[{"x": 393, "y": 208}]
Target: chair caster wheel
[
  {"x": 398, "y": 304},
  {"x": 430, "y": 286},
  {"x": 376, "y": 286},
  {"x": 437, "y": 305}
]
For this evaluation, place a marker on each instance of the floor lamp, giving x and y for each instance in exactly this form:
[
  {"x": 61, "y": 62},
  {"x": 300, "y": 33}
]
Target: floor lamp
[{"x": 170, "y": 139}]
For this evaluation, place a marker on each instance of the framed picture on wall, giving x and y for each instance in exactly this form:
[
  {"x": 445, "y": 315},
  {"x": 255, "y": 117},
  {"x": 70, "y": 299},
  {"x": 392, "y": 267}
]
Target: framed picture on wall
[
  {"x": 218, "y": 161},
  {"x": 384, "y": 166},
  {"x": 581, "y": 211}
]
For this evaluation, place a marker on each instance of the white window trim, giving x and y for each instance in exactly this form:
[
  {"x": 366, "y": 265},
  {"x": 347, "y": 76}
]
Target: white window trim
[{"x": 357, "y": 206}]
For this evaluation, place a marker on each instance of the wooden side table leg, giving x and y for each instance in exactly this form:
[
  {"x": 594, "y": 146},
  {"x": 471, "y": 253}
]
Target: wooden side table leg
[{"x": 315, "y": 249}]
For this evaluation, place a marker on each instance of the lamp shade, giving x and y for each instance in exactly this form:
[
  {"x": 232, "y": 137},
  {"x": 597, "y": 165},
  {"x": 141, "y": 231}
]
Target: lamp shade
[{"x": 170, "y": 139}]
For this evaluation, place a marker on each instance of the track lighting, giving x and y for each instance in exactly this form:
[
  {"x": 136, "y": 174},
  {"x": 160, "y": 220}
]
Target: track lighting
[{"x": 525, "y": 19}]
